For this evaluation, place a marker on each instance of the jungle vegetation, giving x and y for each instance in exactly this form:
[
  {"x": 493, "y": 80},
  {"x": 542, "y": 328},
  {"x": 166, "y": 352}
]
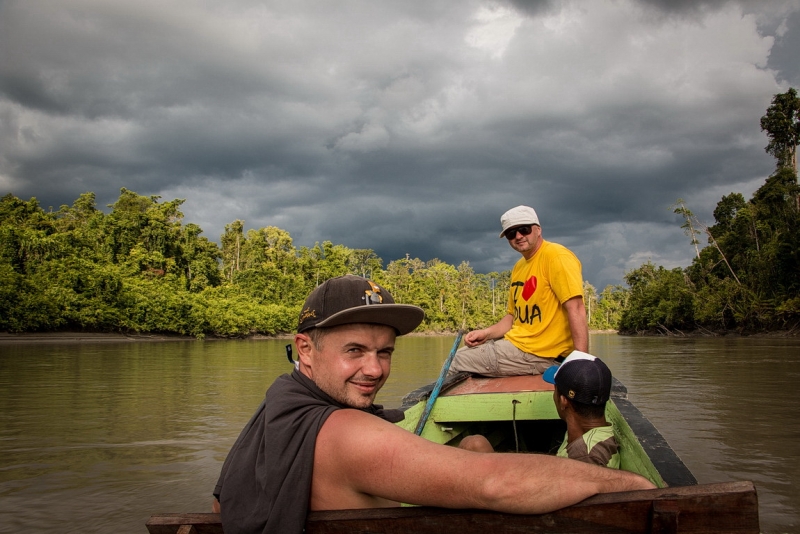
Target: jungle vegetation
[
  {"x": 139, "y": 268},
  {"x": 747, "y": 277}
]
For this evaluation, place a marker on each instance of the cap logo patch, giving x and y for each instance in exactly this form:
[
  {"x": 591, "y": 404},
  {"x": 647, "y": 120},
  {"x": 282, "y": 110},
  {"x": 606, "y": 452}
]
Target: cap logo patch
[
  {"x": 308, "y": 313},
  {"x": 571, "y": 394},
  {"x": 373, "y": 296}
]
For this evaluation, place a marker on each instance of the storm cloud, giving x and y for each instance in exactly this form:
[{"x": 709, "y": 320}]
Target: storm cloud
[{"x": 404, "y": 127}]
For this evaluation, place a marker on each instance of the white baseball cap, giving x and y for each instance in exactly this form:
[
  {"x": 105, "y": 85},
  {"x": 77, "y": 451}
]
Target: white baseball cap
[{"x": 517, "y": 217}]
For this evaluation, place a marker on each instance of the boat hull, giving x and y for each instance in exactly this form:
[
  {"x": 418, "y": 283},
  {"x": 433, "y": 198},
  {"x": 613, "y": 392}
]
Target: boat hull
[{"x": 730, "y": 507}]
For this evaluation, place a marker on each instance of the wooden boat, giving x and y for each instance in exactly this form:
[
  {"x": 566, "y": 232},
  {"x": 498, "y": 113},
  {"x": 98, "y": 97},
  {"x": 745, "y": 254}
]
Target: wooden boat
[{"x": 517, "y": 414}]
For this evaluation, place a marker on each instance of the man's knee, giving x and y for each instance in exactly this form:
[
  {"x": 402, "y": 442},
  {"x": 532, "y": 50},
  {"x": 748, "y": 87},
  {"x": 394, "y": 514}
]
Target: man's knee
[
  {"x": 476, "y": 443},
  {"x": 477, "y": 360}
]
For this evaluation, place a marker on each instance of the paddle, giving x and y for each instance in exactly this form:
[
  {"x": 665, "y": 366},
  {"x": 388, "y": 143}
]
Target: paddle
[{"x": 438, "y": 386}]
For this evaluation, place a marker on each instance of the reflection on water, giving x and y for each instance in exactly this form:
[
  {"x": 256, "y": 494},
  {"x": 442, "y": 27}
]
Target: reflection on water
[{"x": 96, "y": 437}]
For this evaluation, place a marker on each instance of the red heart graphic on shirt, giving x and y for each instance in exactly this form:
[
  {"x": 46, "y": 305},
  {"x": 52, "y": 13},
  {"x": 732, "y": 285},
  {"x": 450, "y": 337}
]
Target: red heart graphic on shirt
[{"x": 529, "y": 288}]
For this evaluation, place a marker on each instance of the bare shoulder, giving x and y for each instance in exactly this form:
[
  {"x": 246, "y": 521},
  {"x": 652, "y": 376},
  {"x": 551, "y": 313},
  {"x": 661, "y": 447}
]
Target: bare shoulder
[
  {"x": 363, "y": 439},
  {"x": 351, "y": 444}
]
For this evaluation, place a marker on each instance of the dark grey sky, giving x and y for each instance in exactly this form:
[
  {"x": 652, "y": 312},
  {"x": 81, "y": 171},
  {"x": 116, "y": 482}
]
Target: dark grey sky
[{"x": 405, "y": 127}]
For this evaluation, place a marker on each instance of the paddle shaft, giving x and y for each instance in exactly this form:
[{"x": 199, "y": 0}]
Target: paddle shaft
[{"x": 438, "y": 386}]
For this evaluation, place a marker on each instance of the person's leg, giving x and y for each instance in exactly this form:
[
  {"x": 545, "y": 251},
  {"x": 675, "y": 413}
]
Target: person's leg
[
  {"x": 512, "y": 361},
  {"x": 480, "y": 360},
  {"x": 498, "y": 358}
]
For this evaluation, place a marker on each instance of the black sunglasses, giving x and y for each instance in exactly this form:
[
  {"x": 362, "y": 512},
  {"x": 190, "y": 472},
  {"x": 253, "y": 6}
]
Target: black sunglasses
[{"x": 511, "y": 233}]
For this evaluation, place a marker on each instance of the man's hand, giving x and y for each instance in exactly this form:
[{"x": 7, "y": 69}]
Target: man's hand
[
  {"x": 496, "y": 331},
  {"x": 475, "y": 338}
]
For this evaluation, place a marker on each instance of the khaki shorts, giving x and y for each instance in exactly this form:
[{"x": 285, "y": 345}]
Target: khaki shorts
[{"x": 498, "y": 358}]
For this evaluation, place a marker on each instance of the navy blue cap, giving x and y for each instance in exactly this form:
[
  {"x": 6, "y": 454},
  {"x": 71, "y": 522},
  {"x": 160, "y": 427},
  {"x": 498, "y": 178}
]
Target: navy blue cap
[{"x": 582, "y": 378}]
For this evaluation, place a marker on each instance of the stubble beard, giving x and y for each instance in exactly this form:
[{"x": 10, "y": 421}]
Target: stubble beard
[
  {"x": 347, "y": 395},
  {"x": 523, "y": 247},
  {"x": 527, "y": 248}
]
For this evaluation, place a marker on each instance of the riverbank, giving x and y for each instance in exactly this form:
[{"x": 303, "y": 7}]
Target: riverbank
[
  {"x": 702, "y": 332},
  {"x": 116, "y": 337},
  {"x": 85, "y": 337},
  {"x": 112, "y": 337}
]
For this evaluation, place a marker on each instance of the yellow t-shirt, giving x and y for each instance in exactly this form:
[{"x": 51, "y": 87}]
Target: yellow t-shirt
[{"x": 539, "y": 287}]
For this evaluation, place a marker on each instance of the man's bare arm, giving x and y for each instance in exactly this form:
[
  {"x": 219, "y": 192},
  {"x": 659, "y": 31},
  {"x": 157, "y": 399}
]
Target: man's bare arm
[
  {"x": 578, "y": 325},
  {"x": 360, "y": 458}
]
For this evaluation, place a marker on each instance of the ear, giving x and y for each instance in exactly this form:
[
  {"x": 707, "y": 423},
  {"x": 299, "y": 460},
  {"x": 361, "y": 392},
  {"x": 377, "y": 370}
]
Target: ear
[
  {"x": 562, "y": 402},
  {"x": 305, "y": 349}
]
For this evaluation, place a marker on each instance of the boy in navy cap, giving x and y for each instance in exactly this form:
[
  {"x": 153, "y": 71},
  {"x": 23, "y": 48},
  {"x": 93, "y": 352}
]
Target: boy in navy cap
[{"x": 582, "y": 388}]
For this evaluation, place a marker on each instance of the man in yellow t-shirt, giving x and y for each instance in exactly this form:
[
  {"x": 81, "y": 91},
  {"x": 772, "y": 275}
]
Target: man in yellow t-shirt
[{"x": 546, "y": 317}]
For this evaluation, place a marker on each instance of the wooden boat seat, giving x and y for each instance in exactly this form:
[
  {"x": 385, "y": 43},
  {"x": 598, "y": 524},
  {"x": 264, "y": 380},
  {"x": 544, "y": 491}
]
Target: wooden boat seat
[{"x": 506, "y": 384}]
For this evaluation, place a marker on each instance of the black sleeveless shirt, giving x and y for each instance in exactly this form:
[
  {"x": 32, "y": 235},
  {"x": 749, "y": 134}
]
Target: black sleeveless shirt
[{"x": 265, "y": 484}]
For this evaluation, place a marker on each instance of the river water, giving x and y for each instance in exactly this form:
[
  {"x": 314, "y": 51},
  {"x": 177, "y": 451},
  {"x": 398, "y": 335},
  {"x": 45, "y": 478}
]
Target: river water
[{"x": 95, "y": 437}]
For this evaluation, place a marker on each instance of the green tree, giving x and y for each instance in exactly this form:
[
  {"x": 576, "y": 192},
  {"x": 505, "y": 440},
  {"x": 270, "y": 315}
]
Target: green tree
[
  {"x": 200, "y": 259},
  {"x": 123, "y": 226},
  {"x": 689, "y": 226},
  {"x": 659, "y": 299},
  {"x": 232, "y": 242},
  {"x": 435, "y": 280},
  {"x": 364, "y": 262},
  {"x": 589, "y": 301},
  {"x": 782, "y": 124},
  {"x": 778, "y": 227},
  {"x": 468, "y": 293},
  {"x": 403, "y": 278},
  {"x": 611, "y": 304},
  {"x": 269, "y": 266}
]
